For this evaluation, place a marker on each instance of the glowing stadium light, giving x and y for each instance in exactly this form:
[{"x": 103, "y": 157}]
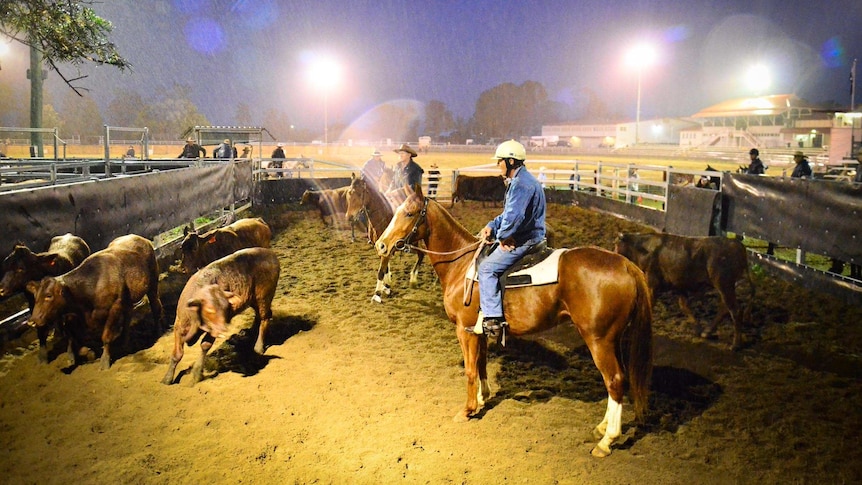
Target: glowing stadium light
[
  {"x": 640, "y": 57},
  {"x": 758, "y": 79},
  {"x": 325, "y": 74}
]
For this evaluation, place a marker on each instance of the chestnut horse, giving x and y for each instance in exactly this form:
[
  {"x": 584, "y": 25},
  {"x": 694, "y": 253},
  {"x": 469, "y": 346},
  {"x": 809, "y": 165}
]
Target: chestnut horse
[
  {"x": 363, "y": 197},
  {"x": 604, "y": 294}
]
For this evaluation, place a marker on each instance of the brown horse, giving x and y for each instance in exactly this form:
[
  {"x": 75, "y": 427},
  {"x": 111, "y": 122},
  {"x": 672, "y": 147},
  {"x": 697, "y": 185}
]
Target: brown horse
[
  {"x": 362, "y": 197},
  {"x": 605, "y": 295}
]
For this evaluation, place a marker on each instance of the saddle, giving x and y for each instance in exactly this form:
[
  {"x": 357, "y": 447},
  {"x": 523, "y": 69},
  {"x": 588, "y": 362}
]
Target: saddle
[{"x": 537, "y": 267}]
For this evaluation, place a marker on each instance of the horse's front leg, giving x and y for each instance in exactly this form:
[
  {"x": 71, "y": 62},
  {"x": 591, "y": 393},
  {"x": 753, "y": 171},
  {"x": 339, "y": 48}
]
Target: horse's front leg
[
  {"x": 384, "y": 281},
  {"x": 470, "y": 343},
  {"x": 414, "y": 273}
]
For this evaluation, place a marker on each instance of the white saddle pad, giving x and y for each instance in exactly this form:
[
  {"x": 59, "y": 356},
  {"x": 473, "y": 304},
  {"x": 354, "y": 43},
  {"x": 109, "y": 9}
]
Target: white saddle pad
[{"x": 543, "y": 273}]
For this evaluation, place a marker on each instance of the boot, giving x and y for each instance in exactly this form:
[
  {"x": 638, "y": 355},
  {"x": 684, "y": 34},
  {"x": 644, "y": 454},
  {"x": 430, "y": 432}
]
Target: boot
[{"x": 495, "y": 329}]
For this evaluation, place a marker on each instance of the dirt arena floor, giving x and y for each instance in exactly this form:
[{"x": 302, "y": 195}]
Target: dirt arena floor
[{"x": 355, "y": 392}]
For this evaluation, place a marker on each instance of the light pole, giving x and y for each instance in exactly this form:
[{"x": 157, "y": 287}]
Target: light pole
[
  {"x": 639, "y": 57},
  {"x": 324, "y": 75}
]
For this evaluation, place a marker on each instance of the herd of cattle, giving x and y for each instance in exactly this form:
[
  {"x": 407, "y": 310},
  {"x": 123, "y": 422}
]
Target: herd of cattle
[{"x": 88, "y": 297}]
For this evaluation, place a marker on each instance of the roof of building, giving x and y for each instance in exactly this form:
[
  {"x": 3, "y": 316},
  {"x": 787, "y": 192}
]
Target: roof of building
[{"x": 759, "y": 106}]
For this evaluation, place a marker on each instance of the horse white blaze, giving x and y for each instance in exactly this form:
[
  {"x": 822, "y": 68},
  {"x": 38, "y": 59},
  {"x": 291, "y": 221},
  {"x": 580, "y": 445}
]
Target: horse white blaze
[{"x": 383, "y": 250}]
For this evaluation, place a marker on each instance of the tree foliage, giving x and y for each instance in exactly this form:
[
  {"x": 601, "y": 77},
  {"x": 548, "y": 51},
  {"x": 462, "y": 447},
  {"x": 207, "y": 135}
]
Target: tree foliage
[
  {"x": 510, "y": 111},
  {"x": 172, "y": 116},
  {"x": 81, "y": 117},
  {"x": 125, "y": 108},
  {"x": 65, "y": 31},
  {"x": 438, "y": 119}
]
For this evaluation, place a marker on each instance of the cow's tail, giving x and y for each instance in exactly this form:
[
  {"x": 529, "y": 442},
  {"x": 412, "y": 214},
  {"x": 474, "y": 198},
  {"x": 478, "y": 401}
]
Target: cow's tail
[{"x": 637, "y": 342}]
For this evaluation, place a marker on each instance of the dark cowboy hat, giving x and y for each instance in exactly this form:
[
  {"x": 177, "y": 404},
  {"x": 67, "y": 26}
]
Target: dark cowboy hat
[
  {"x": 799, "y": 154},
  {"x": 406, "y": 148}
]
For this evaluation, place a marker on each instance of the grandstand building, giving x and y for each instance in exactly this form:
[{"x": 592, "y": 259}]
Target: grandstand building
[{"x": 781, "y": 122}]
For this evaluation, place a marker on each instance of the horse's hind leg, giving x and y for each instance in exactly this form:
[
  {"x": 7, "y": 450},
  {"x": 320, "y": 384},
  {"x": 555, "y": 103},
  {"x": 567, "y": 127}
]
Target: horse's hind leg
[{"x": 610, "y": 427}]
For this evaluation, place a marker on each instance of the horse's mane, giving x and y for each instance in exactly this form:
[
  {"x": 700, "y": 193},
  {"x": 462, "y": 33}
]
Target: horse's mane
[
  {"x": 380, "y": 211},
  {"x": 457, "y": 228}
]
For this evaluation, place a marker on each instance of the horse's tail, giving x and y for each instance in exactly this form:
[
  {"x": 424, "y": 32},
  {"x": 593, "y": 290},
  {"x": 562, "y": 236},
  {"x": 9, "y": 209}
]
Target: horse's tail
[{"x": 638, "y": 343}]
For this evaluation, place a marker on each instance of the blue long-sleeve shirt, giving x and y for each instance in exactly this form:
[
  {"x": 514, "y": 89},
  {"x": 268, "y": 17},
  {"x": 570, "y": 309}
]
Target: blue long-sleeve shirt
[{"x": 523, "y": 217}]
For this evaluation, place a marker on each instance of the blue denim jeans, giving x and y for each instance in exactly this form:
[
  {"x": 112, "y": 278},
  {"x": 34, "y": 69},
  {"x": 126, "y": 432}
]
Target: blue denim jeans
[{"x": 490, "y": 270}]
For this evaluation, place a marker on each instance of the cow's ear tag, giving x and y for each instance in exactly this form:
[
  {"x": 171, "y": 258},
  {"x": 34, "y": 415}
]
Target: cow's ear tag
[{"x": 212, "y": 239}]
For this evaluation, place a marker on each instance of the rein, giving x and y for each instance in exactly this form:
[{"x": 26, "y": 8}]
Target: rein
[
  {"x": 404, "y": 244},
  {"x": 468, "y": 286},
  {"x": 466, "y": 248}
]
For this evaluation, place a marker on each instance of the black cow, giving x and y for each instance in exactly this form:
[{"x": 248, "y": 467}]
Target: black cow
[
  {"x": 491, "y": 188},
  {"x": 688, "y": 264}
]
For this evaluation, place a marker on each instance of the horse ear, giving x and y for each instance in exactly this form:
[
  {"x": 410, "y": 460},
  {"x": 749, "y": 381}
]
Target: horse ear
[
  {"x": 352, "y": 176},
  {"x": 417, "y": 189}
]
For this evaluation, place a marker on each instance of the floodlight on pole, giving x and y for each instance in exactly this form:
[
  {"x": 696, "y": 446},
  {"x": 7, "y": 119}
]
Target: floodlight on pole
[
  {"x": 325, "y": 74},
  {"x": 758, "y": 79},
  {"x": 640, "y": 57}
]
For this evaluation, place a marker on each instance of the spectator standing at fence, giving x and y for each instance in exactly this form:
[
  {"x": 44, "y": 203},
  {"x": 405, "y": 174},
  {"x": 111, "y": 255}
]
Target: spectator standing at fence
[
  {"x": 192, "y": 150},
  {"x": 574, "y": 178},
  {"x": 246, "y": 152},
  {"x": 224, "y": 150},
  {"x": 130, "y": 153},
  {"x": 277, "y": 159},
  {"x": 633, "y": 183},
  {"x": 408, "y": 174},
  {"x": 802, "y": 169},
  {"x": 373, "y": 170},
  {"x": 433, "y": 181},
  {"x": 756, "y": 166},
  {"x": 542, "y": 177}
]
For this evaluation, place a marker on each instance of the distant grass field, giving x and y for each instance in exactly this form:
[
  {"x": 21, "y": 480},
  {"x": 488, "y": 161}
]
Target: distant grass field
[{"x": 357, "y": 155}]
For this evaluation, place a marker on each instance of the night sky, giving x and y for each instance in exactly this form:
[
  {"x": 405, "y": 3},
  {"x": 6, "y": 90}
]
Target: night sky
[{"x": 260, "y": 51}]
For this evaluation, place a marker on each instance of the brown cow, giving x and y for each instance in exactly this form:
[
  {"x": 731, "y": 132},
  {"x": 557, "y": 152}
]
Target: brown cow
[
  {"x": 490, "y": 188},
  {"x": 213, "y": 295},
  {"x": 103, "y": 290},
  {"x": 201, "y": 250},
  {"x": 22, "y": 266},
  {"x": 331, "y": 202},
  {"x": 687, "y": 264}
]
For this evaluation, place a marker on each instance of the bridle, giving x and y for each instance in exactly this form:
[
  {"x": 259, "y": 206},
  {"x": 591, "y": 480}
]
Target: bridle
[{"x": 406, "y": 243}]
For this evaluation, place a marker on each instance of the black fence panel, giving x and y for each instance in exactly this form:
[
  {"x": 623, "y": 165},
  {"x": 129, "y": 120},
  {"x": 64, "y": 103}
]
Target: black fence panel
[
  {"x": 821, "y": 217},
  {"x": 692, "y": 211},
  {"x": 101, "y": 210}
]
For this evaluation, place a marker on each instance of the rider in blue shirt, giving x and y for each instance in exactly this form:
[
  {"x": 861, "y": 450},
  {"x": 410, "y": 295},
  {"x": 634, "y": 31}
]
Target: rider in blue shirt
[{"x": 520, "y": 227}]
